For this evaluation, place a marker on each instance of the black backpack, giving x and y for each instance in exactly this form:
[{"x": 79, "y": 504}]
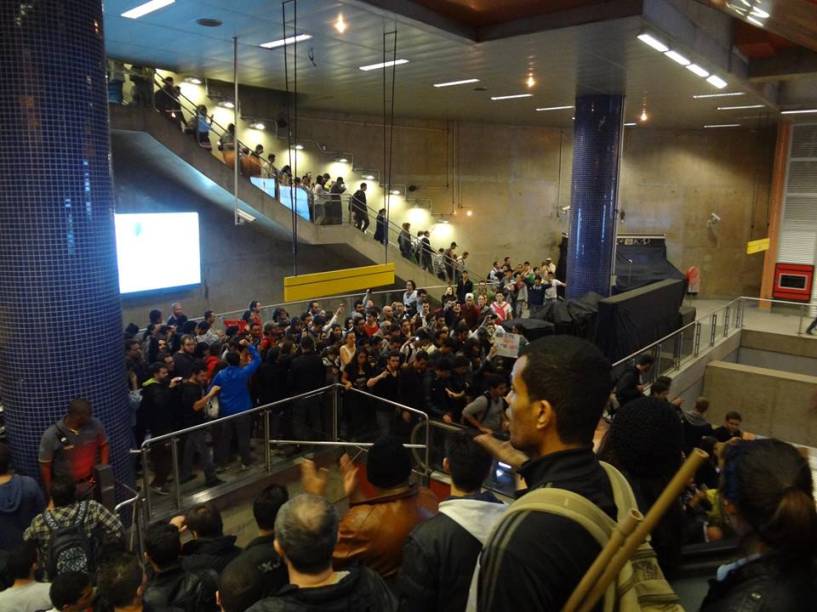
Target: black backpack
[{"x": 69, "y": 548}]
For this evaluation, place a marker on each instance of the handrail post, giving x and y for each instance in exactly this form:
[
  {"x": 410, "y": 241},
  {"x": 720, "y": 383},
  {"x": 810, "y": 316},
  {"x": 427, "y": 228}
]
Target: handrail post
[
  {"x": 333, "y": 402},
  {"x": 657, "y": 370},
  {"x": 726, "y": 322},
  {"x": 146, "y": 479},
  {"x": 696, "y": 343},
  {"x": 267, "y": 457},
  {"x": 677, "y": 350},
  {"x": 174, "y": 454},
  {"x": 741, "y": 308},
  {"x": 800, "y": 320},
  {"x": 713, "y": 328}
]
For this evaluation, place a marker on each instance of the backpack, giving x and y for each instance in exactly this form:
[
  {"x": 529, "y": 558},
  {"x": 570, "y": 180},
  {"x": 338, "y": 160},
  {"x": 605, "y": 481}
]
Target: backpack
[
  {"x": 640, "y": 585},
  {"x": 69, "y": 548}
]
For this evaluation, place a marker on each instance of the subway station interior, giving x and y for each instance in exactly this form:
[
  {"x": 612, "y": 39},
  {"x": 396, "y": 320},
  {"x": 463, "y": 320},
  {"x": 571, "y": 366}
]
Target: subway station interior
[{"x": 280, "y": 198}]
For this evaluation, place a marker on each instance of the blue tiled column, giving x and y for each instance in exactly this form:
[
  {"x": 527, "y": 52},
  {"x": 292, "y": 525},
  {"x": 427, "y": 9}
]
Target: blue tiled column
[
  {"x": 60, "y": 325},
  {"x": 594, "y": 194}
]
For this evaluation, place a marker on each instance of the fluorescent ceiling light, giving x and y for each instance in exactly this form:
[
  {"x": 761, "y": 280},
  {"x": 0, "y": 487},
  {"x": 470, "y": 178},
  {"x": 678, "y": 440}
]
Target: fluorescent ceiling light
[
  {"x": 696, "y": 69},
  {"x": 226, "y": 104},
  {"x": 722, "y": 125},
  {"x": 511, "y": 97},
  {"x": 759, "y": 13},
  {"x": 193, "y": 80},
  {"x": 653, "y": 42},
  {"x": 289, "y": 40},
  {"x": 719, "y": 95},
  {"x": 630, "y": 124},
  {"x": 299, "y": 147},
  {"x": 552, "y": 108},
  {"x": 757, "y": 22},
  {"x": 740, "y": 107},
  {"x": 452, "y": 83},
  {"x": 677, "y": 57},
  {"x": 257, "y": 126},
  {"x": 718, "y": 82},
  {"x": 746, "y": 2},
  {"x": 395, "y": 192},
  {"x": 368, "y": 177},
  {"x": 147, "y": 7},
  {"x": 342, "y": 160},
  {"x": 384, "y": 64},
  {"x": 244, "y": 215},
  {"x": 799, "y": 112}
]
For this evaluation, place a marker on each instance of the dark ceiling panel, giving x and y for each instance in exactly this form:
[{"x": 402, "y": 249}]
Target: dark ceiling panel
[{"x": 481, "y": 13}]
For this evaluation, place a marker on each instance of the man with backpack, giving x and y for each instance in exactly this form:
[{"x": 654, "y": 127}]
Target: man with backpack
[
  {"x": 487, "y": 412},
  {"x": 537, "y": 555},
  {"x": 70, "y": 535}
]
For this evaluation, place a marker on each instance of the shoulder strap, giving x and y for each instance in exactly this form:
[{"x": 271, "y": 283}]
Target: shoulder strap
[
  {"x": 569, "y": 505},
  {"x": 622, "y": 492}
]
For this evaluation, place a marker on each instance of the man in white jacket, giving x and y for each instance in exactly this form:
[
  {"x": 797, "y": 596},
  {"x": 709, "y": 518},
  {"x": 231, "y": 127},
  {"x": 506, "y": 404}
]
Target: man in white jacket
[{"x": 440, "y": 554}]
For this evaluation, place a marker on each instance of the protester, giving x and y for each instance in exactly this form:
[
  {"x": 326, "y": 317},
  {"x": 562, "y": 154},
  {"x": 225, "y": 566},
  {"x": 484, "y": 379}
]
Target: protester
[
  {"x": 121, "y": 584},
  {"x": 631, "y": 384},
  {"x": 241, "y": 585},
  {"x": 21, "y": 499},
  {"x": 71, "y": 592},
  {"x": 730, "y": 428},
  {"x": 25, "y": 594},
  {"x": 695, "y": 424},
  {"x": 209, "y": 548}
]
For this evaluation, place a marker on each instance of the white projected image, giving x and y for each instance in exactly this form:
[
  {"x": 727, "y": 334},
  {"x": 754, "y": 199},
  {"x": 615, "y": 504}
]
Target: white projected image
[{"x": 157, "y": 251}]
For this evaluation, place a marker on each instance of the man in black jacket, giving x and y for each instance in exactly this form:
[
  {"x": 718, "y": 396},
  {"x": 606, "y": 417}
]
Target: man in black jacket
[
  {"x": 630, "y": 386},
  {"x": 307, "y": 373},
  {"x": 358, "y": 208},
  {"x": 260, "y": 551},
  {"x": 209, "y": 548},
  {"x": 440, "y": 554},
  {"x": 170, "y": 585},
  {"x": 306, "y": 531},
  {"x": 534, "y": 560}
]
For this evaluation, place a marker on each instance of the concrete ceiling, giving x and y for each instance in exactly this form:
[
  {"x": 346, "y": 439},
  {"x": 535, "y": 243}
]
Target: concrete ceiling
[{"x": 593, "y": 57}]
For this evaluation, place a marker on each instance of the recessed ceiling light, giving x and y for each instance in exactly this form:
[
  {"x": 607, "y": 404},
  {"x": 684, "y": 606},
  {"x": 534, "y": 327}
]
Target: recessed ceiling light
[
  {"x": 226, "y": 104},
  {"x": 511, "y": 97},
  {"x": 719, "y": 95},
  {"x": 452, "y": 83},
  {"x": 340, "y": 24},
  {"x": 257, "y": 126},
  {"x": 799, "y": 112},
  {"x": 368, "y": 177},
  {"x": 192, "y": 80},
  {"x": 643, "y": 116},
  {"x": 718, "y": 82},
  {"x": 653, "y": 42},
  {"x": 553, "y": 108},
  {"x": 721, "y": 125},
  {"x": 289, "y": 40},
  {"x": 740, "y": 107},
  {"x": 696, "y": 69},
  {"x": 148, "y": 7},
  {"x": 342, "y": 160},
  {"x": 630, "y": 124},
  {"x": 397, "y": 62},
  {"x": 299, "y": 147},
  {"x": 677, "y": 57},
  {"x": 469, "y": 213},
  {"x": 395, "y": 192},
  {"x": 530, "y": 82}
]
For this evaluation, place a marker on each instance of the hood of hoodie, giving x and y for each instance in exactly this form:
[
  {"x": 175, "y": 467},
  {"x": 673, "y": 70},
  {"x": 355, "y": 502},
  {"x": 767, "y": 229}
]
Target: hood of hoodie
[
  {"x": 209, "y": 546},
  {"x": 694, "y": 418},
  {"x": 476, "y": 516},
  {"x": 11, "y": 494}
]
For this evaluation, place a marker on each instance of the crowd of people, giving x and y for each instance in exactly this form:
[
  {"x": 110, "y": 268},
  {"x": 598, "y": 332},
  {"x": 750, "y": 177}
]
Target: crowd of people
[{"x": 396, "y": 546}]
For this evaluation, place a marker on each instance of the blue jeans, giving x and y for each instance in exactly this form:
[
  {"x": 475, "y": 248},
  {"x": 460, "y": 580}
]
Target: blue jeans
[{"x": 196, "y": 442}]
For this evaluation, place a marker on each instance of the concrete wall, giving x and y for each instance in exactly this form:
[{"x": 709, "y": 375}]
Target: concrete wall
[
  {"x": 772, "y": 402},
  {"x": 515, "y": 180}
]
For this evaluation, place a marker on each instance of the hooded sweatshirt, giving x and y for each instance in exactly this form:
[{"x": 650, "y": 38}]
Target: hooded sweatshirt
[
  {"x": 695, "y": 427},
  {"x": 21, "y": 499},
  {"x": 440, "y": 555}
]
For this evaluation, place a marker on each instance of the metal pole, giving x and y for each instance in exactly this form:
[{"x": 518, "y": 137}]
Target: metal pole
[
  {"x": 174, "y": 453},
  {"x": 657, "y": 370},
  {"x": 800, "y": 320},
  {"x": 677, "y": 350},
  {"x": 145, "y": 479},
  {"x": 713, "y": 328},
  {"x": 696, "y": 346},
  {"x": 344, "y": 444},
  {"x": 267, "y": 457},
  {"x": 236, "y": 145},
  {"x": 726, "y": 322},
  {"x": 334, "y": 404}
]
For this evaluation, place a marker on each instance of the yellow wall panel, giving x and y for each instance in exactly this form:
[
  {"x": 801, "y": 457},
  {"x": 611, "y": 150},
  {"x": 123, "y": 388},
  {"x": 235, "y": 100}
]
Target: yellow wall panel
[{"x": 323, "y": 284}]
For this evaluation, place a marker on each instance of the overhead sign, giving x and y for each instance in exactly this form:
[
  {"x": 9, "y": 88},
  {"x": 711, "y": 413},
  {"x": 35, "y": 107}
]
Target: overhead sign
[
  {"x": 757, "y": 246},
  {"x": 323, "y": 284}
]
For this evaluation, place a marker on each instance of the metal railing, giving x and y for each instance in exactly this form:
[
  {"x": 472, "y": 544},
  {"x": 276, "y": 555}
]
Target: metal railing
[{"x": 330, "y": 396}]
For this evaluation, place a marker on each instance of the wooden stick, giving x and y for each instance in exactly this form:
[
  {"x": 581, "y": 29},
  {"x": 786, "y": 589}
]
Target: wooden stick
[
  {"x": 668, "y": 497},
  {"x": 616, "y": 541}
]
